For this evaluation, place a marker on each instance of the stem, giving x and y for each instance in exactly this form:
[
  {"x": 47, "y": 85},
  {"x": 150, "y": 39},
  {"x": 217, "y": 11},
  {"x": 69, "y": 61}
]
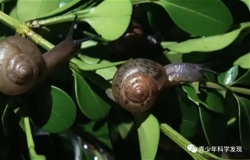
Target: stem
[
  {"x": 221, "y": 87},
  {"x": 104, "y": 41},
  {"x": 183, "y": 143},
  {"x": 30, "y": 141},
  {"x": 141, "y": 1},
  {"x": 55, "y": 20},
  {"x": 20, "y": 27},
  {"x": 61, "y": 18},
  {"x": 36, "y": 38}
]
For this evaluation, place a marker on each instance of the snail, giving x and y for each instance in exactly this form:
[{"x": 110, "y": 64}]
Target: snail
[
  {"x": 137, "y": 83},
  {"x": 22, "y": 65}
]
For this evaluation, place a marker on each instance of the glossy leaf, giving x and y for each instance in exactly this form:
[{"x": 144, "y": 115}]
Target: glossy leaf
[
  {"x": 106, "y": 73},
  {"x": 209, "y": 98},
  {"x": 37, "y": 8},
  {"x": 244, "y": 79},
  {"x": 91, "y": 104},
  {"x": 197, "y": 17},
  {"x": 213, "y": 99},
  {"x": 63, "y": 113},
  {"x": 97, "y": 80},
  {"x": 52, "y": 109},
  {"x": 190, "y": 117},
  {"x": 65, "y": 7},
  {"x": 173, "y": 56},
  {"x": 13, "y": 13},
  {"x": 207, "y": 44},
  {"x": 149, "y": 135},
  {"x": 243, "y": 61},
  {"x": 214, "y": 126},
  {"x": 110, "y": 18},
  {"x": 90, "y": 67},
  {"x": 244, "y": 121},
  {"x": 229, "y": 76},
  {"x": 211, "y": 77},
  {"x": 192, "y": 95}
]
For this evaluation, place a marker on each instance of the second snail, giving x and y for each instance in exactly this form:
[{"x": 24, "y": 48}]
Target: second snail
[
  {"x": 22, "y": 65},
  {"x": 137, "y": 83}
]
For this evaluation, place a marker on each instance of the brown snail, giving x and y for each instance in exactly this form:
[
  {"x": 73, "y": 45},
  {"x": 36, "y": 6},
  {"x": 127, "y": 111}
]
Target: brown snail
[
  {"x": 22, "y": 65},
  {"x": 137, "y": 83}
]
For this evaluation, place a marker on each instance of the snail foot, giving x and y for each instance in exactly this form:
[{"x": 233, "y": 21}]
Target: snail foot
[
  {"x": 110, "y": 94},
  {"x": 79, "y": 41}
]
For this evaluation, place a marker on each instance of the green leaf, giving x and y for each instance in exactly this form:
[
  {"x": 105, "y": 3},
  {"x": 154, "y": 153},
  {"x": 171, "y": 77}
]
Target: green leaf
[
  {"x": 209, "y": 98},
  {"x": 99, "y": 130},
  {"x": 247, "y": 3},
  {"x": 157, "y": 17},
  {"x": 214, "y": 126},
  {"x": 232, "y": 106},
  {"x": 197, "y": 17},
  {"x": 5, "y": 118},
  {"x": 207, "y": 44},
  {"x": 123, "y": 134},
  {"x": 244, "y": 121},
  {"x": 213, "y": 99},
  {"x": 106, "y": 73},
  {"x": 110, "y": 18},
  {"x": 63, "y": 113},
  {"x": 13, "y": 13},
  {"x": 4, "y": 1},
  {"x": 97, "y": 80},
  {"x": 37, "y": 8},
  {"x": 90, "y": 67},
  {"x": 91, "y": 104},
  {"x": 190, "y": 118},
  {"x": 229, "y": 76},
  {"x": 243, "y": 61},
  {"x": 66, "y": 7},
  {"x": 173, "y": 56},
  {"x": 192, "y": 95},
  {"x": 244, "y": 79},
  {"x": 149, "y": 135},
  {"x": 52, "y": 109}
]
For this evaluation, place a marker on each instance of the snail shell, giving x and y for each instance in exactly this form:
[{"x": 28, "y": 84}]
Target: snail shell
[
  {"x": 20, "y": 65},
  {"x": 136, "y": 84}
]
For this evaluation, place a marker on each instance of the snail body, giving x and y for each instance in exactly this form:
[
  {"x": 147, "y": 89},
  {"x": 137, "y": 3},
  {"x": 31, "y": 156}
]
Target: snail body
[
  {"x": 185, "y": 72},
  {"x": 22, "y": 65},
  {"x": 137, "y": 83}
]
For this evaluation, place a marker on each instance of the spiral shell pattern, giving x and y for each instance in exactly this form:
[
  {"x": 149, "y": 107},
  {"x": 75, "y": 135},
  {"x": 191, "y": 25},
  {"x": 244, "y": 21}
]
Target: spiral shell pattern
[
  {"x": 139, "y": 92},
  {"x": 136, "y": 84},
  {"x": 20, "y": 65}
]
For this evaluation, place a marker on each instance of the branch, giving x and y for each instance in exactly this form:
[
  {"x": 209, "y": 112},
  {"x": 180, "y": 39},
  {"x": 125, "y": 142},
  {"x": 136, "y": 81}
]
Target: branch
[{"x": 232, "y": 89}]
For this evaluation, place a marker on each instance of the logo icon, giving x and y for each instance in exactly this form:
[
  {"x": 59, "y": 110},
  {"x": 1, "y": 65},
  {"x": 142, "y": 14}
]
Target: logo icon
[{"x": 192, "y": 148}]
